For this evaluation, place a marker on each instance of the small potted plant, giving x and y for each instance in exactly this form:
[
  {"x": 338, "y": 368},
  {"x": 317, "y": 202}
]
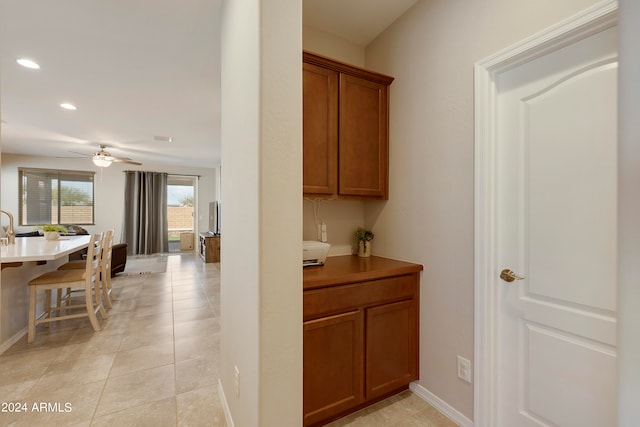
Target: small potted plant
[
  {"x": 52, "y": 231},
  {"x": 363, "y": 237}
]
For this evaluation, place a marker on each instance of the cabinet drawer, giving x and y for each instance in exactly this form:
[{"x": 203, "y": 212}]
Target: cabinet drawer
[{"x": 339, "y": 299}]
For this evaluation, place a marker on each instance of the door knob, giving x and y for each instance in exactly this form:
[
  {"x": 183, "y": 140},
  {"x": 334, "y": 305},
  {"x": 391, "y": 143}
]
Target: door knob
[{"x": 509, "y": 276}]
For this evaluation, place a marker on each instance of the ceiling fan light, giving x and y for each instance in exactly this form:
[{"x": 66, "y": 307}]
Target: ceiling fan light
[
  {"x": 28, "y": 63},
  {"x": 101, "y": 161}
]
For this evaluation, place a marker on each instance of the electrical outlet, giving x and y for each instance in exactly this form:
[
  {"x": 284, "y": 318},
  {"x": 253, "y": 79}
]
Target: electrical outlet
[
  {"x": 464, "y": 369},
  {"x": 236, "y": 380}
]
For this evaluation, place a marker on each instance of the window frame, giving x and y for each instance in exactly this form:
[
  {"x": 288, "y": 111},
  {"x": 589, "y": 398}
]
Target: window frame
[{"x": 48, "y": 173}]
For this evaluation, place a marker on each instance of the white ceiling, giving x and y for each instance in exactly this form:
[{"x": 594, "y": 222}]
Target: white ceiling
[{"x": 135, "y": 70}]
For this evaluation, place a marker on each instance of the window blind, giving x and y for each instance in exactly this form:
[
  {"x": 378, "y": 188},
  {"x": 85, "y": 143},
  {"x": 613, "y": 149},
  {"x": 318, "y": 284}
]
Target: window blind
[{"x": 50, "y": 196}]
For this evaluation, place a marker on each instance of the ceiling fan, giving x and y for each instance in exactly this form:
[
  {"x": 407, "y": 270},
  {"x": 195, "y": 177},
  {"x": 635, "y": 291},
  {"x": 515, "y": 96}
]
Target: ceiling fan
[{"x": 103, "y": 159}]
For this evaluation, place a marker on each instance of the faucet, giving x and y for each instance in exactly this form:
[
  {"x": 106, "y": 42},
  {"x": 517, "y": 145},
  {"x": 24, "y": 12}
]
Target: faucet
[{"x": 11, "y": 234}]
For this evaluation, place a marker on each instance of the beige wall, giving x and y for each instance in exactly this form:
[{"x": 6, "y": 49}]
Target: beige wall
[
  {"x": 429, "y": 218},
  {"x": 628, "y": 214},
  {"x": 239, "y": 273},
  {"x": 261, "y": 274},
  {"x": 332, "y": 46}
]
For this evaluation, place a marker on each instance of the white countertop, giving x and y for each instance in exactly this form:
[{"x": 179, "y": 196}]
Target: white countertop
[{"x": 39, "y": 249}]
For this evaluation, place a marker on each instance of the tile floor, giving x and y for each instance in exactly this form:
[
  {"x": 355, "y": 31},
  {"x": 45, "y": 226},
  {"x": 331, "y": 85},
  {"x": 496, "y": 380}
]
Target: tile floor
[
  {"x": 153, "y": 364},
  {"x": 402, "y": 410}
]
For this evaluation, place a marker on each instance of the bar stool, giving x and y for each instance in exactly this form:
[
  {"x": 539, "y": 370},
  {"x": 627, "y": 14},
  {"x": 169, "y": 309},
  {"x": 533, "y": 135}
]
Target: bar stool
[
  {"x": 86, "y": 279},
  {"x": 105, "y": 268}
]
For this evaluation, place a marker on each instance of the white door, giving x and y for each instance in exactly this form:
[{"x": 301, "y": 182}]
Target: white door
[{"x": 556, "y": 216}]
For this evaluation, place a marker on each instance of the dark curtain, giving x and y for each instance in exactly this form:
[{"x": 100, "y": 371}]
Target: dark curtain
[{"x": 145, "y": 228}]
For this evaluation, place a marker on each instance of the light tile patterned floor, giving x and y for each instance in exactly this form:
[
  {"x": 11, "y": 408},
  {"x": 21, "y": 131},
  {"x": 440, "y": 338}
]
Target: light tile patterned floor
[
  {"x": 402, "y": 410},
  {"x": 155, "y": 363}
]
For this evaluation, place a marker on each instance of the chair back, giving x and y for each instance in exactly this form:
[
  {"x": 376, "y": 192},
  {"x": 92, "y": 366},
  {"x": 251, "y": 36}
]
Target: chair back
[
  {"x": 94, "y": 259},
  {"x": 107, "y": 247}
]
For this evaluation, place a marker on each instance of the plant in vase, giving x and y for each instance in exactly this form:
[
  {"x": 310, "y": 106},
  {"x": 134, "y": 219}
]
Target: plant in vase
[
  {"x": 363, "y": 236},
  {"x": 52, "y": 231}
]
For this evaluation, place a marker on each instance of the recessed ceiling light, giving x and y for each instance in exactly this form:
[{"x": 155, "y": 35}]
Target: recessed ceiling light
[
  {"x": 163, "y": 138},
  {"x": 68, "y": 106},
  {"x": 25, "y": 62}
]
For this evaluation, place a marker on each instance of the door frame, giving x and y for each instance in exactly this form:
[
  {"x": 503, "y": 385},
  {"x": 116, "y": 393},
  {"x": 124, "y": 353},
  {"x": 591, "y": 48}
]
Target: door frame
[{"x": 486, "y": 283}]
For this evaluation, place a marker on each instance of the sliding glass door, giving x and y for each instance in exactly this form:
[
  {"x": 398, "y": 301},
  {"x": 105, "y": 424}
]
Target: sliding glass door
[{"x": 181, "y": 203}]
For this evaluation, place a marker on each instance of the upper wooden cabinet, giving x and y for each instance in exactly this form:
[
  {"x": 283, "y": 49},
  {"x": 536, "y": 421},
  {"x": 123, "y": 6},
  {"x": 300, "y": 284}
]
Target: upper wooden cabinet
[
  {"x": 345, "y": 130},
  {"x": 320, "y": 130}
]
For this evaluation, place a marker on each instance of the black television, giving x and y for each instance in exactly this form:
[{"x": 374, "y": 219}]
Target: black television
[{"x": 214, "y": 217}]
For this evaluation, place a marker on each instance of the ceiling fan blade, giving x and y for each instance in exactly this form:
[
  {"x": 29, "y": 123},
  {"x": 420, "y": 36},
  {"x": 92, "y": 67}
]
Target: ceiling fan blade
[
  {"x": 82, "y": 154},
  {"x": 102, "y": 154},
  {"x": 124, "y": 160}
]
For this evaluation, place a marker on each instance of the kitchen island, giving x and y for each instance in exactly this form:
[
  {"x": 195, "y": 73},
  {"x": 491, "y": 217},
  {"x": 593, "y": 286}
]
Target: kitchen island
[
  {"x": 27, "y": 259},
  {"x": 360, "y": 333},
  {"x": 40, "y": 249}
]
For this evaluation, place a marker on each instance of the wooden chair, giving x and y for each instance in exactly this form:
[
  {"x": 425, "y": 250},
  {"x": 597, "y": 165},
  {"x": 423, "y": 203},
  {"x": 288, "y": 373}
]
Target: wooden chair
[
  {"x": 86, "y": 279},
  {"x": 105, "y": 268}
]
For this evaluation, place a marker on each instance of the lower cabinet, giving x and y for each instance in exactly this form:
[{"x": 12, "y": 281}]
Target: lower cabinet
[
  {"x": 334, "y": 347},
  {"x": 360, "y": 345},
  {"x": 392, "y": 352},
  {"x": 209, "y": 247}
]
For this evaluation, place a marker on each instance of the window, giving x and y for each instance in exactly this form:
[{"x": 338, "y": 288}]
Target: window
[{"x": 49, "y": 196}]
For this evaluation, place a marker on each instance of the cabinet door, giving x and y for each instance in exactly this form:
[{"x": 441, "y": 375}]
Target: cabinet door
[
  {"x": 214, "y": 249},
  {"x": 320, "y": 130},
  {"x": 392, "y": 347},
  {"x": 364, "y": 145},
  {"x": 332, "y": 360}
]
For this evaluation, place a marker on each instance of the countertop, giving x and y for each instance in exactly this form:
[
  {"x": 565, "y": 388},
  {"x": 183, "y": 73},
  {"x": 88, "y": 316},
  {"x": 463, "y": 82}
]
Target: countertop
[
  {"x": 339, "y": 270},
  {"x": 39, "y": 249}
]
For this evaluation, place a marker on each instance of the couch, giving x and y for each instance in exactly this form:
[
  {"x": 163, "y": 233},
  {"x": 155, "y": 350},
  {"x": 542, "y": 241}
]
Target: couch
[{"x": 118, "y": 258}]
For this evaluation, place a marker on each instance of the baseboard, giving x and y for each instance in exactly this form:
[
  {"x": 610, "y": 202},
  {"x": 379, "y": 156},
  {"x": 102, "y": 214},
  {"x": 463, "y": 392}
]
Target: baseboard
[
  {"x": 225, "y": 405},
  {"x": 442, "y": 406},
  {"x": 11, "y": 341}
]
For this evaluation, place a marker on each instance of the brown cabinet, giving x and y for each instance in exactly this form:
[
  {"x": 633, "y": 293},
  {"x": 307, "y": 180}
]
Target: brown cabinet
[
  {"x": 360, "y": 339},
  {"x": 333, "y": 359},
  {"x": 320, "y": 130},
  {"x": 345, "y": 130},
  {"x": 209, "y": 247},
  {"x": 391, "y": 344}
]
